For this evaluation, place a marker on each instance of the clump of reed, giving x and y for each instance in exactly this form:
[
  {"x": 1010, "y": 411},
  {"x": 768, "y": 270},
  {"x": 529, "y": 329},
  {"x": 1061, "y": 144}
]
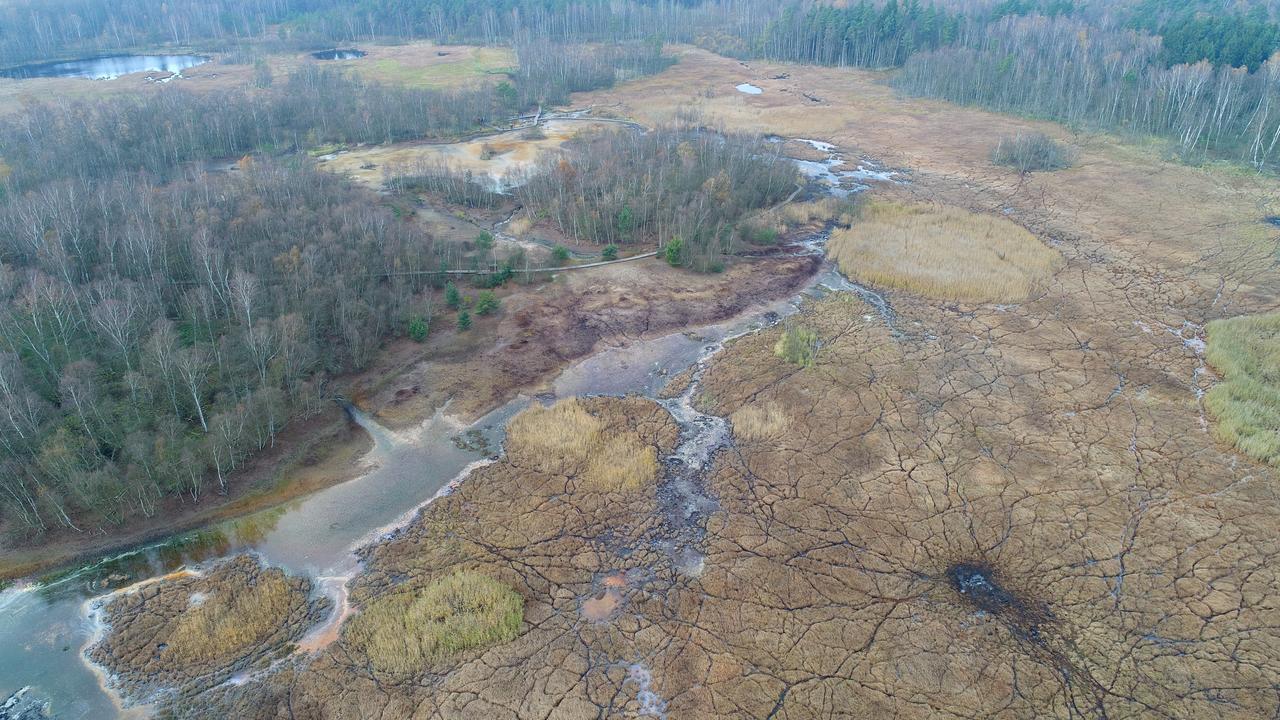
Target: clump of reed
[{"x": 945, "y": 253}]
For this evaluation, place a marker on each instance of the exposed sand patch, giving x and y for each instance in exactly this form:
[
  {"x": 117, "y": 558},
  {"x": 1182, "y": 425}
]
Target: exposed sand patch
[{"x": 495, "y": 159}]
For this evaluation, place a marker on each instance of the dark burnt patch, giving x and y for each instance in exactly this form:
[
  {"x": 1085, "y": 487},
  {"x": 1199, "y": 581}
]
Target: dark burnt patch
[{"x": 980, "y": 586}]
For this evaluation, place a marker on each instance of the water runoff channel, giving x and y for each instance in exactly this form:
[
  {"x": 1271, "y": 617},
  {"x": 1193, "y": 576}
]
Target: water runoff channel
[{"x": 46, "y": 627}]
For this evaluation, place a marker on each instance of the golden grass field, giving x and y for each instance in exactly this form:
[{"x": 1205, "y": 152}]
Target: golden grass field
[
  {"x": 410, "y": 632},
  {"x": 567, "y": 439},
  {"x": 1246, "y": 404},
  {"x": 944, "y": 252}
]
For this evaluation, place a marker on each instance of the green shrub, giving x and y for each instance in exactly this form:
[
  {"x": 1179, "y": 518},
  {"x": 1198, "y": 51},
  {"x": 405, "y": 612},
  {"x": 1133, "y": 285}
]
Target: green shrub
[
  {"x": 452, "y": 297},
  {"x": 798, "y": 345},
  {"x": 464, "y": 320},
  {"x": 610, "y": 252},
  {"x": 560, "y": 254},
  {"x": 486, "y": 303},
  {"x": 418, "y": 329},
  {"x": 674, "y": 251},
  {"x": 484, "y": 240},
  {"x": 1033, "y": 151}
]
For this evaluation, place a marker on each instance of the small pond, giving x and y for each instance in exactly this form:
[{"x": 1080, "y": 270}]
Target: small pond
[
  {"x": 106, "y": 67},
  {"x": 749, "y": 89},
  {"x": 339, "y": 54}
]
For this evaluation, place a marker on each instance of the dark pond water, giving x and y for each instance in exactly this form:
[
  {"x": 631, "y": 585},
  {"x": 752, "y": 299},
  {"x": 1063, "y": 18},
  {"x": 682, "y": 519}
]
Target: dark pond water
[
  {"x": 102, "y": 68},
  {"x": 338, "y": 54}
]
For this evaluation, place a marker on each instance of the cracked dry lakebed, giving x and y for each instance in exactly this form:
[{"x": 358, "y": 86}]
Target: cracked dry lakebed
[{"x": 853, "y": 503}]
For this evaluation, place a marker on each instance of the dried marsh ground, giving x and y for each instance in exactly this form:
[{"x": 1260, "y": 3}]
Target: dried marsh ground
[
  {"x": 944, "y": 252},
  {"x": 1246, "y": 404},
  {"x": 416, "y": 632},
  {"x": 993, "y": 511},
  {"x": 188, "y": 632}
]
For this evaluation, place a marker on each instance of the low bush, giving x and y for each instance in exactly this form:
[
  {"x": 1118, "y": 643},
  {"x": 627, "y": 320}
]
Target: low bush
[
  {"x": 798, "y": 345},
  {"x": 674, "y": 251},
  {"x": 418, "y": 329},
  {"x": 1032, "y": 151}
]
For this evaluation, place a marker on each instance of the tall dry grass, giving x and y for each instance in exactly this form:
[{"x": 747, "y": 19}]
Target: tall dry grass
[
  {"x": 566, "y": 439},
  {"x": 411, "y": 632},
  {"x": 1246, "y": 404},
  {"x": 945, "y": 253},
  {"x": 232, "y": 620},
  {"x": 766, "y": 422}
]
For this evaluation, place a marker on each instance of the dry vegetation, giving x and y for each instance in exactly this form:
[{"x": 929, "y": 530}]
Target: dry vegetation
[
  {"x": 767, "y": 422},
  {"x": 491, "y": 159},
  {"x": 188, "y": 632},
  {"x": 568, "y": 439},
  {"x": 415, "y": 632},
  {"x": 1246, "y": 404},
  {"x": 792, "y": 215},
  {"x": 1031, "y": 152},
  {"x": 945, "y": 253},
  {"x": 1054, "y": 444}
]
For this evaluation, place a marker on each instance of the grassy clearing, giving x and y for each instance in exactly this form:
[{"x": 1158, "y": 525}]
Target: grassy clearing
[
  {"x": 760, "y": 423},
  {"x": 944, "y": 253},
  {"x": 411, "y": 632},
  {"x": 426, "y": 70},
  {"x": 1246, "y": 404},
  {"x": 567, "y": 439}
]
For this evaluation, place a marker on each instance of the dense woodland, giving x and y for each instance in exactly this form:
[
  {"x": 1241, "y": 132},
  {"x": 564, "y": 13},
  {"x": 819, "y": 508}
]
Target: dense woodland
[
  {"x": 690, "y": 187},
  {"x": 159, "y": 324},
  {"x": 155, "y": 336},
  {"x": 163, "y": 317}
]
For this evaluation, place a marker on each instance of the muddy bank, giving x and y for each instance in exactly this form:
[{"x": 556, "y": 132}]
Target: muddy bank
[
  {"x": 170, "y": 639},
  {"x": 542, "y": 329}
]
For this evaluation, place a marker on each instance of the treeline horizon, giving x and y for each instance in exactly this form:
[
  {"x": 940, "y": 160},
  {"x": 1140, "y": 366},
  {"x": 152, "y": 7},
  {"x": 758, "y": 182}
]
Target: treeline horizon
[
  {"x": 314, "y": 106},
  {"x": 1169, "y": 68}
]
